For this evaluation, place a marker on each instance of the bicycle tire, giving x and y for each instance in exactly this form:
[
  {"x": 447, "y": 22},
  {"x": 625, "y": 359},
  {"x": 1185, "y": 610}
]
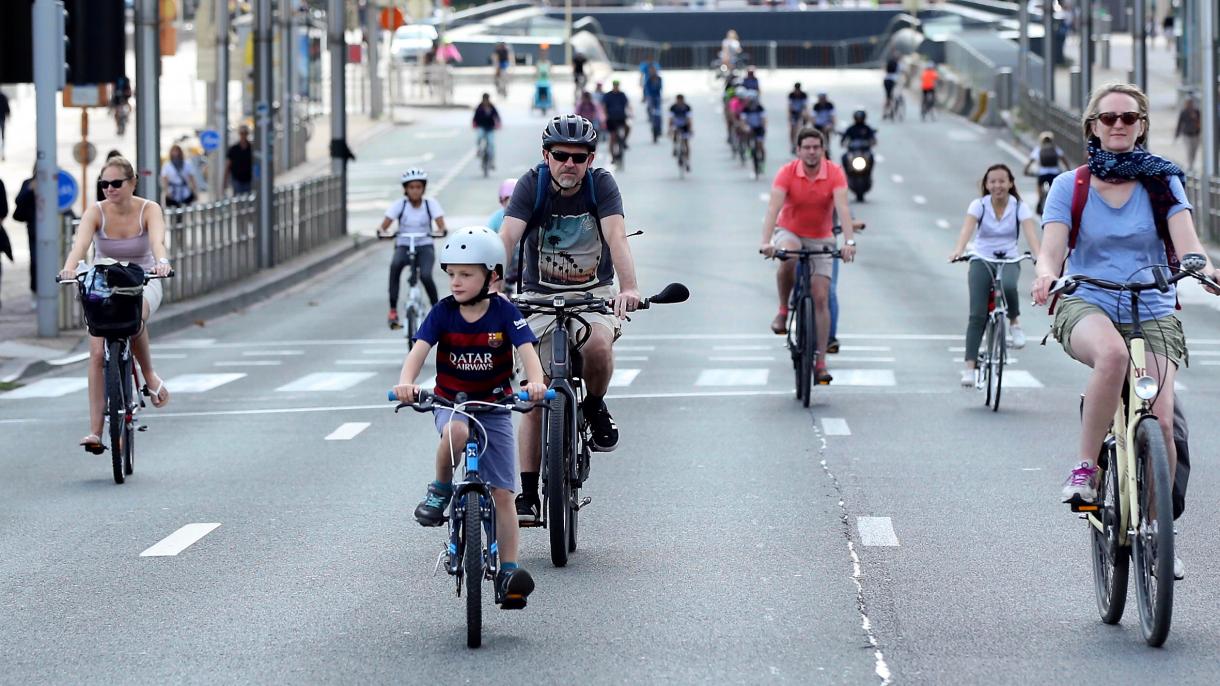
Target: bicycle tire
[
  {"x": 999, "y": 354},
  {"x": 558, "y": 488},
  {"x": 1111, "y": 559},
  {"x": 807, "y": 340},
  {"x": 472, "y": 569},
  {"x": 129, "y": 425},
  {"x": 984, "y": 361},
  {"x": 412, "y": 317},
  {"x": 1152, "y": 551},
  {"x": 115, "y": 407}
]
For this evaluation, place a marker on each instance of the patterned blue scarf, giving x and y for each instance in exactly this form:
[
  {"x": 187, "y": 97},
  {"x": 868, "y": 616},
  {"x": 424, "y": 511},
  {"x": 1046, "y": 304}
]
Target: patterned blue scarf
[{"x": 1129, "y": 166}]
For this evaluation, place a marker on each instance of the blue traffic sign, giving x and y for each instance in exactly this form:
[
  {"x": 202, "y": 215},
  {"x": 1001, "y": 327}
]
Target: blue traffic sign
[
  {"x": 209, "y": 139},
  {"x": 68, "y": 190}
]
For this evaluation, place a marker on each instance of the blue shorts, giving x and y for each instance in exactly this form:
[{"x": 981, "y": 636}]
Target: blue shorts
[{"x": 498, "y": 465}]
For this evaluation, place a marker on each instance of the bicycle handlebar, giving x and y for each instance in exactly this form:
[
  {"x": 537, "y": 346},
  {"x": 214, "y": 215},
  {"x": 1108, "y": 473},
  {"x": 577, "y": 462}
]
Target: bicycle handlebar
[
  {"x": 673, "y": 293},
  {"x": 77, "y": 278},
  {"x": 1067, "y": 285},
  {"x": 781, "y": 254},
  {"x": 426, "y": 401},
  {"x": 1006, "y": 260},
  {"x": 381, "y": 235}
]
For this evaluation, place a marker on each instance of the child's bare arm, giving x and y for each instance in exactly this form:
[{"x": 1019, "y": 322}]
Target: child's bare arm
[
  {"x": 406, "y": 390},
  {"x": 535, "y": 381}
]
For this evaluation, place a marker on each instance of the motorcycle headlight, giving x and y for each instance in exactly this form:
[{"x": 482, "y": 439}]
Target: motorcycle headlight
[
  {"x": 859, "y": 164},
  {"x": 1146, "y": 388}
]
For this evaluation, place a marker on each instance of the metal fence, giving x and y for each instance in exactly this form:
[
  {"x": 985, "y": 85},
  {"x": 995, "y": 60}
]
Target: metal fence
[
  {"x": 1208, "y": 230},
  {"x": 213, "y": 245},
  {"x": 627, "y": 53}
]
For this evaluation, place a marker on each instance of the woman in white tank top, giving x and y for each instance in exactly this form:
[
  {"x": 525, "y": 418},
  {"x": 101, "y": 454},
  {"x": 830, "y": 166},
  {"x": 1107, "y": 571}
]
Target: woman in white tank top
[{"x": 129, "y": 229}]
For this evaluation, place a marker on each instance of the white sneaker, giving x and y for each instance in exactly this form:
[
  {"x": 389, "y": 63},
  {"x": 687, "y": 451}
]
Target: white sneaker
[
  {"x": 1079, "y": 486},
  {"x": 968, "y": 378},
  {"x": 1179, "y": 569},
  {"x": 1016, "y": 337}
]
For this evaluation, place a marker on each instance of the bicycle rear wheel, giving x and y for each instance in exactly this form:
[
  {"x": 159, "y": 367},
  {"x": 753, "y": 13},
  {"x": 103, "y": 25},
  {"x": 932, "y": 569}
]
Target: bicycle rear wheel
[
  {"x": 1152, "y": 547},
  {"x": 1111, "y": 559},
  {"x": 129, "y": 420},
  {"x": 558, "y": 488},
  {"x": 806, "y": 341},
  {"x": 116, "y": 406},
  {"x": 984, "y": 362},
  {"x": 472, "y": 569},
  {"x": 413, "y": 320},
  {"x": 999, "y": 355}
]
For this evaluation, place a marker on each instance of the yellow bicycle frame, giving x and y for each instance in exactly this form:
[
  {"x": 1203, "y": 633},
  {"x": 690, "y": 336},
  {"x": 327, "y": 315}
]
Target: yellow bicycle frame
[{"x": 1123, "y": 430}]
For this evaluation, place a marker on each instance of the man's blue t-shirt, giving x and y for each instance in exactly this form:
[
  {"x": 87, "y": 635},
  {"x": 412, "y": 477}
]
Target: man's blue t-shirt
[
  {"x": 475, "y": 358},
  {"x": 615, "y": 104},
  {"x": 1115, "y": 244}
]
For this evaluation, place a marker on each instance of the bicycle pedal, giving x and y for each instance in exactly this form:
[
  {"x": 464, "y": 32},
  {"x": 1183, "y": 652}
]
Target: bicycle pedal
[
  {"x": 583, "y": 501},
  {"x": 1084, "y": 507},
  {"x": 440, "y": 560}
]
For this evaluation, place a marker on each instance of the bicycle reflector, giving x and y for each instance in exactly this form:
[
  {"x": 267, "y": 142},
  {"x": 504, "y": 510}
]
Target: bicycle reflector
[{"x": 1146, "y": 388}]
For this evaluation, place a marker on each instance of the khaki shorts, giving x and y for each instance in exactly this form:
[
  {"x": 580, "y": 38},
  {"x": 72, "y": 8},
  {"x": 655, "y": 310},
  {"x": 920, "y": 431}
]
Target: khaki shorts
[
  {"x": 823, "y": 265},
  {"x": 544, "y": 324},
  {"x": 1161, "y": 336}
]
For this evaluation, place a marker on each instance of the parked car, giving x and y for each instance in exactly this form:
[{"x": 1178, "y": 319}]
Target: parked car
[{"x": 411, "y": 41}]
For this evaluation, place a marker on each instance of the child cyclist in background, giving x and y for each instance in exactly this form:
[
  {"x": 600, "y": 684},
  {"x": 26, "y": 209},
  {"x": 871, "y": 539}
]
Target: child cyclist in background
[{"x": 475, "y": 332}]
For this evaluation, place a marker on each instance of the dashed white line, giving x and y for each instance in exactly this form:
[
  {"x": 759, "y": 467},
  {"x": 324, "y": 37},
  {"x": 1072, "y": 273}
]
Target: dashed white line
[
  {"x": 745, "y": 347},
  {"x": 630, "y": 358},
  {"x": 273, "y": 353},
  {"x": 742, "y": 358},
  {"x": 876, "y": 531},
  {"x": 1019, "y": 378},
  {"x": 732, "y": 377},
  {"x": 248, "y": 363},
  {"x": 897, "y": 178},
  {"x": 48, "y": 388},
  {"x": 864, "y": 377},
  {"x": 865, "y": 348},
  {"x": 848, "y": 358},
  {"x": 200, "y": 383},
  {"x": 920, "y": 200},
  {"x": 835, "y": 426},
  {"x": 943, "y": 223},
  {"x": 347, "y": 431},
  {"x": 388, "y": 362},
  {"x": 325, "y": 381},
  {"x": 179, "y": 540},
  {"x": 1011, "y": 150},
  {"x": 623, "y": 377}
]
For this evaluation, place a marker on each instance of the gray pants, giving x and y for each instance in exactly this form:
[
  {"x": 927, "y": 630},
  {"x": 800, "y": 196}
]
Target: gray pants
[{"x": 980, "y": 293}]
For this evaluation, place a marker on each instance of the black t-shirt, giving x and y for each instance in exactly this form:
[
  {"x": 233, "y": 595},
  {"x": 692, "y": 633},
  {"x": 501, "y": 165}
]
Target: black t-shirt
[
  {"x": 578, "y": 64},
  {"x": 681, "y": 113},
  {"x": 859, "y": 132},
  {"x": 241, "y": 162},
  {"x": 615, "y": 104},
  {"x": 502, "y": 54},
  {"x": 567, "y": 252},
  {"x": 891, "y": 67}
]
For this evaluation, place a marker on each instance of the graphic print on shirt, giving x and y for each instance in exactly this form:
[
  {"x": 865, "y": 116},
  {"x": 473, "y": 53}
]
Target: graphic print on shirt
[{"x": 569, "y": 252}]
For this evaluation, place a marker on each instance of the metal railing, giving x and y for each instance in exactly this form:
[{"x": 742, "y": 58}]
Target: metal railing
[
  {"x": 415, "y": 84},
  {"x": 214, "y": 245},
  {"x": 1208, "y": 230},
  {"x": 628, "y": 53}
]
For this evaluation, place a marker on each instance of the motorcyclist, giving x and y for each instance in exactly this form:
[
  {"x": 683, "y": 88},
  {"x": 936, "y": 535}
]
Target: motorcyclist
[{"x": 858, "y": 135}]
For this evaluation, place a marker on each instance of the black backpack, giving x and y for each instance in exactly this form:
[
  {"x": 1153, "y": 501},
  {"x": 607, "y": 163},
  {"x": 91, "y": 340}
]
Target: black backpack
[
  {"x": 1048, "y": 156},
  {"x": 112, "y": 297}
]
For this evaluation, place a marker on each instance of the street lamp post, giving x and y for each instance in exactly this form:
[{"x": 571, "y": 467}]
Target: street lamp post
[
  {"x": 264, "y": 127},
  {"x": 1207, "y": 38},
  {"x": 48, "y": 78}
]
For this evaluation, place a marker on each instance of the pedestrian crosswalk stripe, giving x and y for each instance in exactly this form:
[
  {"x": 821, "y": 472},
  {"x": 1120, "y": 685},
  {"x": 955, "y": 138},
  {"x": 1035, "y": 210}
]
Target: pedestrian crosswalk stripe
[
  {"x": 835, "y": 426},
  {"x": 732, "y": 377},
  {"x": 200, "y": 383},
  {"x": 1019, "y": 378},
  {"x": 272, "y": 353},
  {"x": 630, "y": 358},
  {"x": 863, "y": 377},
  {"x": 347, "y": 431},
  {"x": 247, "y": 363},
  {"x": 849, "y": 358},
  {"x": 746, "y": 347},
  {"x": 326, "y": 381},
  {"x": 49, "y": 388},
  {"x": 388, "y": 362},
  {"x": 742, "y": 358},
  {"x": 876, "y": 531},
  {"x": 623, "y": 377},
  {"x": 865, "y": 348},
  {"x": 179, "y": 540}
]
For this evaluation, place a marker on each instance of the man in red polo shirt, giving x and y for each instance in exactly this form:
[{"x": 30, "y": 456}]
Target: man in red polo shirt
[{"x": 804, "y": 196}]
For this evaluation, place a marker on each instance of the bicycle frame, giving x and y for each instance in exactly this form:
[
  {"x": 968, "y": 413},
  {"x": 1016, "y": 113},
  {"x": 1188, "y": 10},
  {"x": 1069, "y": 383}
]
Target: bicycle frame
[
  {"x": 471, "y": 481},
  {"x": 564, "y": 358}
]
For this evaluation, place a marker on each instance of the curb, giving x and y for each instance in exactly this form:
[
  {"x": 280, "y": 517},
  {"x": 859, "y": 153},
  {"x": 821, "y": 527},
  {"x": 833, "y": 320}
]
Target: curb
[{"x": 264, "y": 286}]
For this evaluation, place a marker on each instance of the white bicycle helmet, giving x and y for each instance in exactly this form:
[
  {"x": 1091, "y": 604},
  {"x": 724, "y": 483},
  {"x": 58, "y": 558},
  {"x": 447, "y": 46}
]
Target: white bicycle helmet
[
  {"x": 474, "y": 245},
  {"x": 415, "y": 174}
]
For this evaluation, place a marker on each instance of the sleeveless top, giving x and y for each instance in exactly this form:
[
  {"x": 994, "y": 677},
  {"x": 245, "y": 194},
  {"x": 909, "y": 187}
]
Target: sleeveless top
[{"x": 136, "y": 250}]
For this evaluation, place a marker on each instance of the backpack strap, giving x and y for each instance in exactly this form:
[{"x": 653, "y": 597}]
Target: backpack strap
[
  {"x": 540, "y": 208},
  {"x": 1080, "y": 196}
]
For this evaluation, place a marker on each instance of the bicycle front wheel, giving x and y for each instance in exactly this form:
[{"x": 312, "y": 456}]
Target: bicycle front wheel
[
  {"x": 1111, "y": 559},
  {"x": 999, "y": 355},
  {"x": 983, "y": 364},
  {"x": 806, "y": 341},
  {"x": 129, "y": 420},
  {"x": 116, "y": 406},
  {"x": 472, "y": 569},
  {"x": 1152, "y": 548},
  {"x": 558, "y": 488}
]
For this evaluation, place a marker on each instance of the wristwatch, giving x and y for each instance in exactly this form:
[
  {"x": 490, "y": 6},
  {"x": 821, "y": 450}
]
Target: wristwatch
[
  {"x": 850, "y": 242},
  {"x": 163, "y": 260}
]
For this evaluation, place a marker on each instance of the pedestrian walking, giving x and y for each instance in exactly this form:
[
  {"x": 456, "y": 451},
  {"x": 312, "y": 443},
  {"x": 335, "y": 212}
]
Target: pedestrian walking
[
  {"x": 239, "y": 163},
  {"x": 4, "y": 112},
  {"x": 6, "y": 247},
  {"x": 24, "y": 211},
  {"x": 1190, "y": 126},
  {"x": 178, "y": 179}
]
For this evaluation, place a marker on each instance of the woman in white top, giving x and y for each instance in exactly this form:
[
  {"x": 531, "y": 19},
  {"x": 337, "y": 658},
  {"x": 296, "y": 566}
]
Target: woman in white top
[
  {"x": 414, "y": 215},
  {"x": 999, "y": 218},
  {"x": 178, "y": 179}
]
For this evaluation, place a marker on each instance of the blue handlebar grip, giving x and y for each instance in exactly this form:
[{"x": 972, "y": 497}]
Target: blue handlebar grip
[
  {"x": 549, "y": 395},
  {"x": 391, "y": 396}
]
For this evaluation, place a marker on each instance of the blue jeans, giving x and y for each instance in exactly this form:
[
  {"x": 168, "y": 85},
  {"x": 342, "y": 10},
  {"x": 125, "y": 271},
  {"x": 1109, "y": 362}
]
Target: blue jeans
[
  {"x": 834, "y": 300},
  {"x": 490, "y": 136}
]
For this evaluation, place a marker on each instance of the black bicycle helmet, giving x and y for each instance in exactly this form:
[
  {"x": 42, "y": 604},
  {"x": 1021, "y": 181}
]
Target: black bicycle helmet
[{"x": 569, "y": 129}]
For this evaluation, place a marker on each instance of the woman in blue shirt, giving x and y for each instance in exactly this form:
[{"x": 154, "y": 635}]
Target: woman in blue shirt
[{"x": 1118, "y": 238}]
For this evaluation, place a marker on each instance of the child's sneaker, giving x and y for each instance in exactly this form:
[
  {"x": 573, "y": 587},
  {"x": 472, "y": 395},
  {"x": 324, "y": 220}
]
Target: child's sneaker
[
  {"x": 1079, "y": 486},
  {"x": 513, "y": 586},
  {"x": 431, "y": 512},
  {"x": 392, "y": 319}
]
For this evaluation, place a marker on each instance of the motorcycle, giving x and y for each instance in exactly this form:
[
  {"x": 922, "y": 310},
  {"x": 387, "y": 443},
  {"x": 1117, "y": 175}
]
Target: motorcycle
[{"x": 858, "y": 165}]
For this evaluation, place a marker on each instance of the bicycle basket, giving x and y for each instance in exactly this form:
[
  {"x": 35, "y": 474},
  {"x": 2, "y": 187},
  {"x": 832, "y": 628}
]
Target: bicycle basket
[{"x": 112, "y": 298}]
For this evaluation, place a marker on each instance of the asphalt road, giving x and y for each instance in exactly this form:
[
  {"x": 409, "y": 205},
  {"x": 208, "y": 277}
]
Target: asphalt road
[{"x": 897, "y": 530}]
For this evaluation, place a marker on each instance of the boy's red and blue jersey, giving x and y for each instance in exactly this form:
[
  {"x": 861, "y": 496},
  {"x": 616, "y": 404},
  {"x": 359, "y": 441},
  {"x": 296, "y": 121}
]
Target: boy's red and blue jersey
[{"x": 475, "y": 358}]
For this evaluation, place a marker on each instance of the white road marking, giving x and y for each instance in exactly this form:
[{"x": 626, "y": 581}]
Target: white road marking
[
  {"x": 879, "y": 158},
  {"x": 635, "y": 348},
  {"x": 897, "y": 178},
  {"x": 49, "y": 388},
  {"x": 347, "y": 431},
  {"x": 746, "y": 347},
  {"x": 325, "y": 381},
  {"x": 171, "y": 356},
  {"x": 200, "y": 383},
  {"x": 179, "y": 540},
  {"x": 962, "y": 136},
  {"x": 732, "y": 377},
  {"x": 623, "y": 377},
  {"x": 273, "y": 353},
  {"x": 943, "y": 223},
  {"x": 835, "y": 426},
  {"x": 765, "y": 197},
  {"x": 863, "y": 377},
  {"x": 389, "y": 362},
  {"x": 437, "y": 133},
  {"x": 879, "y": 336},
  {"x": 865, "y": 348},
  {"x": 1031, "y": 469},
  {"x": 743, "y": 358},
  {"x": 630, "y": 358},
  {"x": 457, "y": 169},
  {"x": 1019, "y": 378},
  {"x": 920, "y": 200},
  {"x": 79, "y": 357},
  {"x": 1208, "y": 363},
  {"x": 186, "y": 343},
  {"x": 876, "y": 531},
  {"x": 848, "y": 358},
  {"x": 248, "y": 363},
  {"x": 1205, "y": 353},
  {"x": 1011, "y": 150},
  {"x": 399, "y": 350},
  {"x": 1179, "y": 386}
]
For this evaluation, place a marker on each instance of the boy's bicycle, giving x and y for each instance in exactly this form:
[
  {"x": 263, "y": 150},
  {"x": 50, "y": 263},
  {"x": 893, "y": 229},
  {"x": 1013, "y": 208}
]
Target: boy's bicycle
[
  {"x": 989, "y": 370},
  {"x": 472, "y": 511},
  {"x": 122, "y": 401},
  {"x": 802, "y": 328},
  {"x": 681, "y": 138},
  {"x": 1133, "y": 512},
  {"x": 565, "y": 433}
]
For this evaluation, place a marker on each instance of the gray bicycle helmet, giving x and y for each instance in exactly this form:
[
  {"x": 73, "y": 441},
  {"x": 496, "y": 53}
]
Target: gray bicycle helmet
[
  {"x": 569, "y": 129},
  {"x": 415, "y": 174}
]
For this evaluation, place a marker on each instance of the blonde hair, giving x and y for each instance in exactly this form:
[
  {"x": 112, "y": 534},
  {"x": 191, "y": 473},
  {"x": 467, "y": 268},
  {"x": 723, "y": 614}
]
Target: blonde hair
[
  {"x": 120, "y": 162},
  {"x": 1091, "y": 112}
]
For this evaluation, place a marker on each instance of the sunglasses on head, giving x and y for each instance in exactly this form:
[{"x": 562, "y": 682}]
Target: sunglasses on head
[
  {"x": 116, "y": 184},
  {"x": 577, "y": 157},
  {"x": 1111, "y": 118}
]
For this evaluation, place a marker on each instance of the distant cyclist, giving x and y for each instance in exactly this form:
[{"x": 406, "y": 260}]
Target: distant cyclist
[
  {"x": 680, "y": 124},
  {"x": 652, "y": 90},
  {"x": 750, "y": 81},
  {"x": 618, "y": 114},
  {"x": 1049, "y": 161},
  {"x": 414, "y": 215},
  {"x": 486, "y": 120},
  {"x": 579, "y": 78},
  {"x": 798, "y": 112},
  {"x": 824, "y": 119},
  {"x": 890, "y": 80},
  {"x": 927, "y": 83}
]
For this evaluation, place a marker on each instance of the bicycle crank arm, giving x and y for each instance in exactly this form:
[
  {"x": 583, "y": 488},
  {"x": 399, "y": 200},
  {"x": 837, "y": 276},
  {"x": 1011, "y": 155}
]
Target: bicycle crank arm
[
  {"x": 439, "y": 559},
  {"x": 583, "y": 501}
]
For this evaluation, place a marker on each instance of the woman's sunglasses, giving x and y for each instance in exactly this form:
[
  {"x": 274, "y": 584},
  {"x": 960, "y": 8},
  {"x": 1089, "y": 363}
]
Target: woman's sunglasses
[
  {"x": 577, "y": 157},
  {"x": 1111, "y": 118},
  {"x": 116, "y": 184}
]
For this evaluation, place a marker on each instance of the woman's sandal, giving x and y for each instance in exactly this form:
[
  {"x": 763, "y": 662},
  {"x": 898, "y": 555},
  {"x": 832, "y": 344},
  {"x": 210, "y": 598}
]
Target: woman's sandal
[
  {"x": 92, "y": 444},
  {"x": 156, "y": 395}
]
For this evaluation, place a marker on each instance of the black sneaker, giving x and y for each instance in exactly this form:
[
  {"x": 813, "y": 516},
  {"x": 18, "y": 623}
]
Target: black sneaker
[
  {"x": 431, "y": 512},
  {"x": 605, "y": 431},
  {"x": 512, "y": 589},
  {"x": 529, "y": 509}
]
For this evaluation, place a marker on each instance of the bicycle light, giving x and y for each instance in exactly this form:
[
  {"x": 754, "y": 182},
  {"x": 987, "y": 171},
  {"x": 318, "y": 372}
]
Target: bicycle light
[{"x": 1146, "y": 388}]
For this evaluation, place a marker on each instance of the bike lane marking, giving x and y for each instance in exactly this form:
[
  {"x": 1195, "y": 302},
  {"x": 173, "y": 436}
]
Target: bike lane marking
[
  {"x": 179, "y": 540},
  {"x": 876, "y": 531},
  {"x": 835, "y": 426},
  {"x": 325, "y": 381},
  {"x": 48, "y": 388},
  {"x": 623, "y": 377},
  {"x": 200, "y": 383},
  {"x": 732, "y": 377},
  {"x": 347, "y": 431}
]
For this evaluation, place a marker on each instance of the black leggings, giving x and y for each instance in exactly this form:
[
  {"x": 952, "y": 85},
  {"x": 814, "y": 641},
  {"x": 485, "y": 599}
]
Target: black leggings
[
  {"x": 980, "y": 281},
  {"x": 426, "y": 255}
]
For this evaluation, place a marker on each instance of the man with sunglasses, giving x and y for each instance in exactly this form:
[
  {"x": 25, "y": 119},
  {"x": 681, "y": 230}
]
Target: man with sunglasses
[{"x": 572, "y": 238}]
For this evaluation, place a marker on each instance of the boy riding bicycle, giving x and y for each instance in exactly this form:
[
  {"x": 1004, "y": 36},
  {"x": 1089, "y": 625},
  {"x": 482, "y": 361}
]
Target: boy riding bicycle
[{"x": 476, "y": 332}]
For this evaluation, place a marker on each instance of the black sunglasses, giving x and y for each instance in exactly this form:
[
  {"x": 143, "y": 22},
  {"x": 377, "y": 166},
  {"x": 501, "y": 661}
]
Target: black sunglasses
[
  {"x": 577, "y": 157},
  {"x": 1110, "y": 118},
  {"x": 116, "y": 184}
]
